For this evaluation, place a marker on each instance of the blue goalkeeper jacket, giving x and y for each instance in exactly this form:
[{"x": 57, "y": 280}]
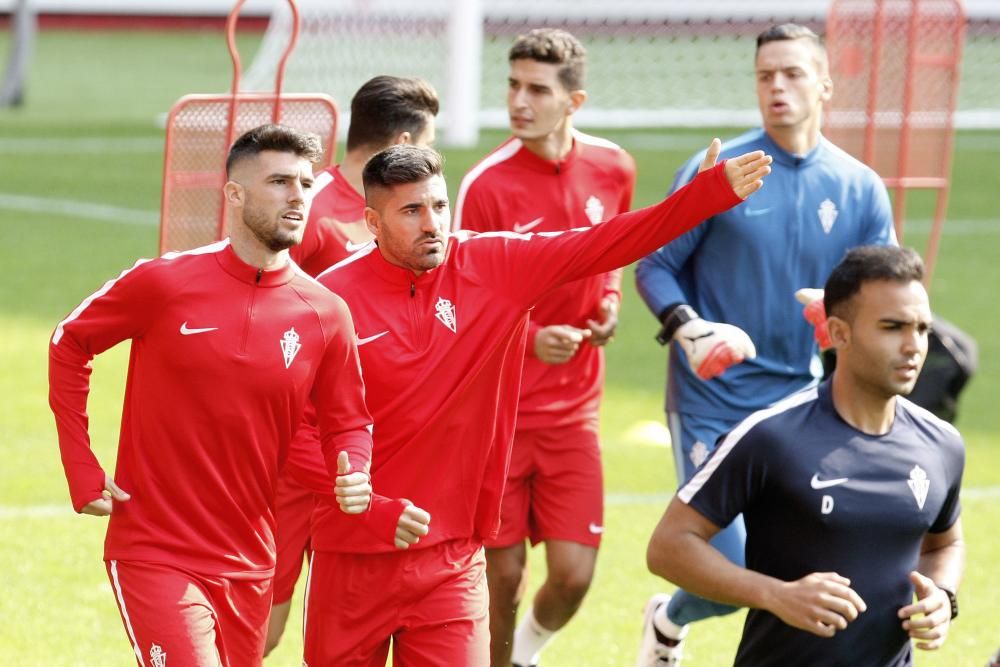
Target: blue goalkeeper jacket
[{"x": 744, "y": 266}]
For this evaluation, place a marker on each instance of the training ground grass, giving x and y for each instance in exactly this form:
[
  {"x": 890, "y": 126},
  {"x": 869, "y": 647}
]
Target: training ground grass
[{"x": 107, "y": 88}]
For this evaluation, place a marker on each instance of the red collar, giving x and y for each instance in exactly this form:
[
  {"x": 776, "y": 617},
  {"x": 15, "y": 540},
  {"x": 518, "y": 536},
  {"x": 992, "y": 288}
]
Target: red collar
[
  {"x": 242, "y": 271},
  {"x": 531, "y": 161},
  {"x": 398, "y": 275}
]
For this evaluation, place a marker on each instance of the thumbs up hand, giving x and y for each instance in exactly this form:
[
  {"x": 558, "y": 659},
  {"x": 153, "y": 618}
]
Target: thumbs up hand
[{"x": 353, "y": 489}]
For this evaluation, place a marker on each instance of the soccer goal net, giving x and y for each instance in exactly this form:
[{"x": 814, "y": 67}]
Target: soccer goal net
[{"x": 650, "y": 62}]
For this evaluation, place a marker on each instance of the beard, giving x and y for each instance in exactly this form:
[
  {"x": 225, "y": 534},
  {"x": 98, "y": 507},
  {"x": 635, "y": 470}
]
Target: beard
[{"x": 269, "y": 231}]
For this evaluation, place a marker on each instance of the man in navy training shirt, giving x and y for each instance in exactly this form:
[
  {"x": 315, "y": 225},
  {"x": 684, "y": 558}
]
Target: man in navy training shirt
[
  {"x": 725, "y": 292},
  {"x": 850, "y": 494}
]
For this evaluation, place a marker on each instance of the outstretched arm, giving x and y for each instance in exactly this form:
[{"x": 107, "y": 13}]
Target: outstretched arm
[{"x": 547, "y": 260}]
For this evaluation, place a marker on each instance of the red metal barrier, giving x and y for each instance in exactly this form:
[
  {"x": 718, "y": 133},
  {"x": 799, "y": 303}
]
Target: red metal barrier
[
  {"x": 895, "y": 67},
  {"x": 200, "y": 130}
]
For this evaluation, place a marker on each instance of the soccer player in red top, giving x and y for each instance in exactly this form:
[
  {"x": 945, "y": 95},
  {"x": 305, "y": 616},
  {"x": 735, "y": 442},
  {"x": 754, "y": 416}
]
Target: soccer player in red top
[
  {"x": 386, "y": 110},
  {"x": 550, "y": 177},
  {"x": 442, "y": 321},
  {"x": 229, "y": 343}
]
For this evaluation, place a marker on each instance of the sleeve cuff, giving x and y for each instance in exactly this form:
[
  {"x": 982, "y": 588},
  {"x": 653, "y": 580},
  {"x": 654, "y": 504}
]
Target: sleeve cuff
[{"x": 382, "y": 517}]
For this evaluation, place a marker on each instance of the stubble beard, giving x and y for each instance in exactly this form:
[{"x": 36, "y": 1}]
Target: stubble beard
[
  {"x": 425, "y": 260},
  {"x": 430, "y": 259},
  {"x": 269, "y": 232}
]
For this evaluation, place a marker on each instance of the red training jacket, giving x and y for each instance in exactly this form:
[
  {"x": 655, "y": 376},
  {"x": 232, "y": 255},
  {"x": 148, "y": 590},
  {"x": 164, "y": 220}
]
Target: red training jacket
[
  {"x": 442, "y": 355},
  {"x": 512, "y": 189},
  {"x": 224, "y": 358}
]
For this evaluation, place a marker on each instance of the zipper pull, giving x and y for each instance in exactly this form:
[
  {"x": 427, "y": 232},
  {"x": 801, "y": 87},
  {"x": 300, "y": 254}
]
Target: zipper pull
[
  {"x": 260, "y": 272},
  {"x": 413, "y": 289}
]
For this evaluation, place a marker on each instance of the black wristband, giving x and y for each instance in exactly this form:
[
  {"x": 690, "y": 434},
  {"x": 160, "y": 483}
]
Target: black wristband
[
  {"x": 672, "y": 317},
  {"x": 952, "y": 599}
]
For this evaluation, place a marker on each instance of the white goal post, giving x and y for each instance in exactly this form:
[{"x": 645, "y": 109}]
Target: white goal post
[
  {"x": 651, "y": 63},
  {"x": 23, "y": 26}
]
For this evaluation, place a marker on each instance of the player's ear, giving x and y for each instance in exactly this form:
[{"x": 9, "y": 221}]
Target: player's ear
[
  {"x": 839, "y": 330},
  {"x": 576, "y": 100},
  {"x": 403, "y": 138},
  {"x": 826, "y": 88},
  {"x": 372, "y": 220},
  {"x": 234, "y": 193}
]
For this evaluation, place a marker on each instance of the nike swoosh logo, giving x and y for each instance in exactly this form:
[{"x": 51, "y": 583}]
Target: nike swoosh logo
[
  {"x": 817, "y": 483},
  {"x": 185, "y": 331},
  {"x": 754, "y": 212},
  {"x": 595, "y": 529},
  {"x": 350, "y": 246},
  {"x": 528, "y": 226},
  {"x": 365, "y": 341}
]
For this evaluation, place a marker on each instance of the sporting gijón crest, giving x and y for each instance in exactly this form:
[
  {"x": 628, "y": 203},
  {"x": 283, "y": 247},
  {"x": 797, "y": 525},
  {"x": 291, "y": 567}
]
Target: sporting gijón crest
[
  {"x": 919, "y": 485},
  {"x": 827, "y": 213},
  {"x": 444, "y": 310},
  {"x": 157, "y": 656},
  {"x": 594, "y": 210},
  {"x": 290, "y": 346}
]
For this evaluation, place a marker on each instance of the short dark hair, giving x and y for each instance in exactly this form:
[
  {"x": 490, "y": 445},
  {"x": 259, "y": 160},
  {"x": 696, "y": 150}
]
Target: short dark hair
[
  {"x": 400, "y": 164},
  {"x": 789, "y": 31},
  {"x": 866, "y": 264},
  {"x": 386, "y": 106},
  {"x": 557, "y": 47},
  {"x": 280, "y": 138}
]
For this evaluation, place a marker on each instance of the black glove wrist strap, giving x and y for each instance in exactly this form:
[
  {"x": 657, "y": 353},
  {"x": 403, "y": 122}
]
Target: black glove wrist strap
[{"x": 673, "y": 317}]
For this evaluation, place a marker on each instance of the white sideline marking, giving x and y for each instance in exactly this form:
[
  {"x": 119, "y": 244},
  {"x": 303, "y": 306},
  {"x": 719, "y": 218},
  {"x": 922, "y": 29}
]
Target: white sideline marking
[
  {"x": 129, "y": 216},
  {"x": 35, "y": 511},
  {"x": 973, "y": 142},
  {"x": 953, "y": 227},
  {"x": 77, "y": 209},
  {"x": 13, "y": 512},
  {"x": 85, "y": 145}
]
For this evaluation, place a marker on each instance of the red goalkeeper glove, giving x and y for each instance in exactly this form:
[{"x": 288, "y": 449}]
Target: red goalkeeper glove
[{"x": 815, "y": 314}]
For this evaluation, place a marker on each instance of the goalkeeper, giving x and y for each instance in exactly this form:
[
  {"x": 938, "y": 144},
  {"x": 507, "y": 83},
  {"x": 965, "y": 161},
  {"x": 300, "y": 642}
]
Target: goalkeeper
[{"x": 725, "y": 291}]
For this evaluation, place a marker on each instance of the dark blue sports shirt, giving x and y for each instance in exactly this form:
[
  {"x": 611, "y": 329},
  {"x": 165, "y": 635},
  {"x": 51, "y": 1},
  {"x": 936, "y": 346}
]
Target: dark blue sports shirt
[{"x": 820, "y": 496}]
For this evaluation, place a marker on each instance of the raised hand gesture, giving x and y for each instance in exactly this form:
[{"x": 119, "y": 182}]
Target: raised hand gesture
[
  {"x": 353, "y": 489},
  {"x": 745, "y": 172}
]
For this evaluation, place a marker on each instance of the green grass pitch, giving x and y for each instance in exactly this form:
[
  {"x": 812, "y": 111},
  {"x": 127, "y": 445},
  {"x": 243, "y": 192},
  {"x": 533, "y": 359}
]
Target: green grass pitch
[{"x": 87, "y": 135}]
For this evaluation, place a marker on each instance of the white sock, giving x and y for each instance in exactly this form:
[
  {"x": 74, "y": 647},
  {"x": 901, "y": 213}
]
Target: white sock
[
  {"x": 529, "y": 640},
  {"x": 668, "y": 627}
]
